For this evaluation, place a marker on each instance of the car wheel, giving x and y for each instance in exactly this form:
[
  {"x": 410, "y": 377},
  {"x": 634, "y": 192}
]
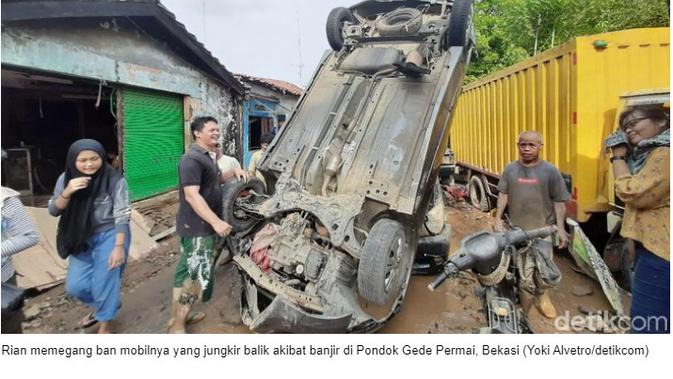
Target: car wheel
[
  {"x": 402, "y": 21},
  {"x": 334, "y": 26},
  {"x": 385, "y": 262},
  {"x": 477, "y": 194},
  {"x": 459, "y": 21},
  {"x": 236, "y": 192}
]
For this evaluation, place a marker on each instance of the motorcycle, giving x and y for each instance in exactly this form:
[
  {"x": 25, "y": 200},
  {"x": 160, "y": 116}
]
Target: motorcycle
[{"x": 492, "y": 256}]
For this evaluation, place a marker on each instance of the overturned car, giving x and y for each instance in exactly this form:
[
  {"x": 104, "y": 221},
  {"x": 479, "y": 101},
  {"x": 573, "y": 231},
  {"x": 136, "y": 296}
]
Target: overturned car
[{"x": 329, "y": 243}]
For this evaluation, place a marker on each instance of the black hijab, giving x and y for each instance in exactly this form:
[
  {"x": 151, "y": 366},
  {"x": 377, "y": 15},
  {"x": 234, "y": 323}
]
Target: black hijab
[{"x": 74, "y": 227}]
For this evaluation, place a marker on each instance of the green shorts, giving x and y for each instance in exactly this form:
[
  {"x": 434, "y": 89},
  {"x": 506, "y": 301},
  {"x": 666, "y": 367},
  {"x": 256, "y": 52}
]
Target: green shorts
[{"x": 195, "y": 268}]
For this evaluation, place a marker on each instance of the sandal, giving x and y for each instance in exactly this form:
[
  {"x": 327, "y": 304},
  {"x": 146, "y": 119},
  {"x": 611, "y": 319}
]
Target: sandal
[
  {"x": 88, "y": 320},
  {"x": 195, "y": 317}
]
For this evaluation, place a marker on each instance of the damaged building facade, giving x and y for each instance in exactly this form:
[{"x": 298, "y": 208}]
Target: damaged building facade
[
  {"x": 268, "y": 104},
  {"x": 125, "y": 73}
]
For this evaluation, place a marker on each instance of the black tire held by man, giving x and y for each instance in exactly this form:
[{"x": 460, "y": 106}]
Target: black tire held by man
[{"x": 231, "y": 213}]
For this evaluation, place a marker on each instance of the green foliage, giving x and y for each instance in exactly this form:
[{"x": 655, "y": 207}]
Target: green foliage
[
  {"x": 496, "y": 47},
  {"x": 511, "y": 30}
]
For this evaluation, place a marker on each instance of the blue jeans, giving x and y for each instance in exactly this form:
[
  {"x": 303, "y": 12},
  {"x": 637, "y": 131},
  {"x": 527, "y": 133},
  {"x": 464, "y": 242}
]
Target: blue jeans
[
  {"x": 650, "y": 293},
  {"x": 89, "y": 278}
]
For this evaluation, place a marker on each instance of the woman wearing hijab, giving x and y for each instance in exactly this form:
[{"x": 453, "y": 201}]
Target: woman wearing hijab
[
  {"x": 640, "y": 163},
  {"x": 93, "y": 201}
]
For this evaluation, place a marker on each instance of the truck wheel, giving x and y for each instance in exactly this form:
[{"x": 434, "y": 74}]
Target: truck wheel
[
  {"x": 236, "y": 192},
  {"x": 477, "y": 194},
  {"x": 335, "y": 25},
  {"x": 459, "y": 21},
  {"x": 385, "y": 262},
  {"x": 400, "y": 22}
]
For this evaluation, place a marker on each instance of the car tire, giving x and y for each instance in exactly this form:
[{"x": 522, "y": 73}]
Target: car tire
[
  {"x": 459, "y": 21},
  {"x": 385, "y": 262},
  {"x": 335, "y": 24},
  {"x": 400, "y": 22},
  {"x": 477, "y": 194},
  {"x": 231, "y": 213}
]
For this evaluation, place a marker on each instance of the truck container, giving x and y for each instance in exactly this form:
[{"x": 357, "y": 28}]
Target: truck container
[{"x": 570, "y": 94}]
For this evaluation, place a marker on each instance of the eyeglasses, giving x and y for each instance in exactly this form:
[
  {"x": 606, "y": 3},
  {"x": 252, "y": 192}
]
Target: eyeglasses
[{"x": 632, "y": 122}]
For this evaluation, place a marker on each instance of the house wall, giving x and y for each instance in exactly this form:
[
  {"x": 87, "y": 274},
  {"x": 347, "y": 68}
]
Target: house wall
[
  {"x": 286, "y": 101},
  {"x": 119, "y": 52}
]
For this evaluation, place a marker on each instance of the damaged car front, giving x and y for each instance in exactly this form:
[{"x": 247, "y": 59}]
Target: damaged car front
[{"x": 329, "y": 243}]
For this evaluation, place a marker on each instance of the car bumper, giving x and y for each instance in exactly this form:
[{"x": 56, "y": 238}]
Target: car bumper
[{"x": 282, "y": 316}]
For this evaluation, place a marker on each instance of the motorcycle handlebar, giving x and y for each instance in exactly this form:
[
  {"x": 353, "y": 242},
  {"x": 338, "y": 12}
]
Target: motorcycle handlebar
[
  {"x": 517, "y": 236},
  {"x": 449, "y": 270},
  {"x": 513, "y": 237},
  {"x": 537, "y": 233},
  {"x": 438, "y": 281}
]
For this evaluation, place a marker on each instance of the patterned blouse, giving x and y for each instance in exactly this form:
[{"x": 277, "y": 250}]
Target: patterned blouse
[{"x": 647, "y": 199}]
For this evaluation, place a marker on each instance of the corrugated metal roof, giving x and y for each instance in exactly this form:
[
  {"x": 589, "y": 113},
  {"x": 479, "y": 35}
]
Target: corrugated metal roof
[
  {"x": 19, "y": 10},
  {"x": 274, "y": 84}
]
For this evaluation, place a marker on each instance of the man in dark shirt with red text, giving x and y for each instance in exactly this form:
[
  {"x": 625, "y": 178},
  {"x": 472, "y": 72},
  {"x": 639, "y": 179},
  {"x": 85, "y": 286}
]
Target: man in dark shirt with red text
[{"x": 534, "y": 194}]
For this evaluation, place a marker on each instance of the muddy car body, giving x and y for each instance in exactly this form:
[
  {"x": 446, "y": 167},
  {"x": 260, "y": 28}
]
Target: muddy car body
[{"x": 330, "y": 246}]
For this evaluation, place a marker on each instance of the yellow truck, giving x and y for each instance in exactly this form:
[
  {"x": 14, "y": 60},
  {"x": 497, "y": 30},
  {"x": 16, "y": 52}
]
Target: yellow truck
[{"x": 571, "y": 95}]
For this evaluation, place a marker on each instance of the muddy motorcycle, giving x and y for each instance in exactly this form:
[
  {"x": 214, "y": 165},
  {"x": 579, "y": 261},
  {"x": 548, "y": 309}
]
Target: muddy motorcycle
[{"x": 492, "y": 257}]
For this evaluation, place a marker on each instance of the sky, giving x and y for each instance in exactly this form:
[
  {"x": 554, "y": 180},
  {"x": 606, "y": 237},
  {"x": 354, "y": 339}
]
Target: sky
[{"x": 278, "y": 39}]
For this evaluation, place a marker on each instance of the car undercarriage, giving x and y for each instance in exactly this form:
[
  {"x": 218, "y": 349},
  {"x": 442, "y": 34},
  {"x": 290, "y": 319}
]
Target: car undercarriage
[{"x": 329, "y": 243}]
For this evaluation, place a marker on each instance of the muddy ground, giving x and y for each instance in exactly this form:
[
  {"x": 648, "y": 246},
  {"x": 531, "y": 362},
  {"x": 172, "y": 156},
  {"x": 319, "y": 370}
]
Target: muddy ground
[{"x": 454, "y": 308}]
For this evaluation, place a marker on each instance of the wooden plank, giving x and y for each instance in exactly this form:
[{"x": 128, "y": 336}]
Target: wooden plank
[
  {"x": 164, "y": 234},
  {"x": 46, "y": 226},
  {"x": 144, "y": 223},
  {"x": 39, "y": 267},
  {"x": 141, "y": 242}
]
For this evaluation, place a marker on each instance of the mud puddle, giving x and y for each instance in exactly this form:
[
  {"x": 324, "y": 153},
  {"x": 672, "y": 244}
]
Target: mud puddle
[{"x": 453, "y": 308}]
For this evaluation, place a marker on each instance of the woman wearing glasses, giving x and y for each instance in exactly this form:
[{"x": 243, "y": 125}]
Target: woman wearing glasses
[{"x": 640, "y": 163}]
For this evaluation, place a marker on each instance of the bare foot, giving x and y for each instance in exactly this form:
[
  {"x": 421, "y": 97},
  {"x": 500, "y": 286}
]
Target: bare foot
[
  {"x": 178, "y": 322},
  {"x": 104, "y": 327}
]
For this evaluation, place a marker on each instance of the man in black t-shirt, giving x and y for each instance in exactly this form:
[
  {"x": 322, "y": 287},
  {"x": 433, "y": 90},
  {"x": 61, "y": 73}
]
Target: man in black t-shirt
[
  {"x": 534, "y": 193},
  {"x": 198, "y": 223}
]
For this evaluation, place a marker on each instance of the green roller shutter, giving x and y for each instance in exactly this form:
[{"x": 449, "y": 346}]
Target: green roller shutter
[{"x": 153, "y": 141}]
